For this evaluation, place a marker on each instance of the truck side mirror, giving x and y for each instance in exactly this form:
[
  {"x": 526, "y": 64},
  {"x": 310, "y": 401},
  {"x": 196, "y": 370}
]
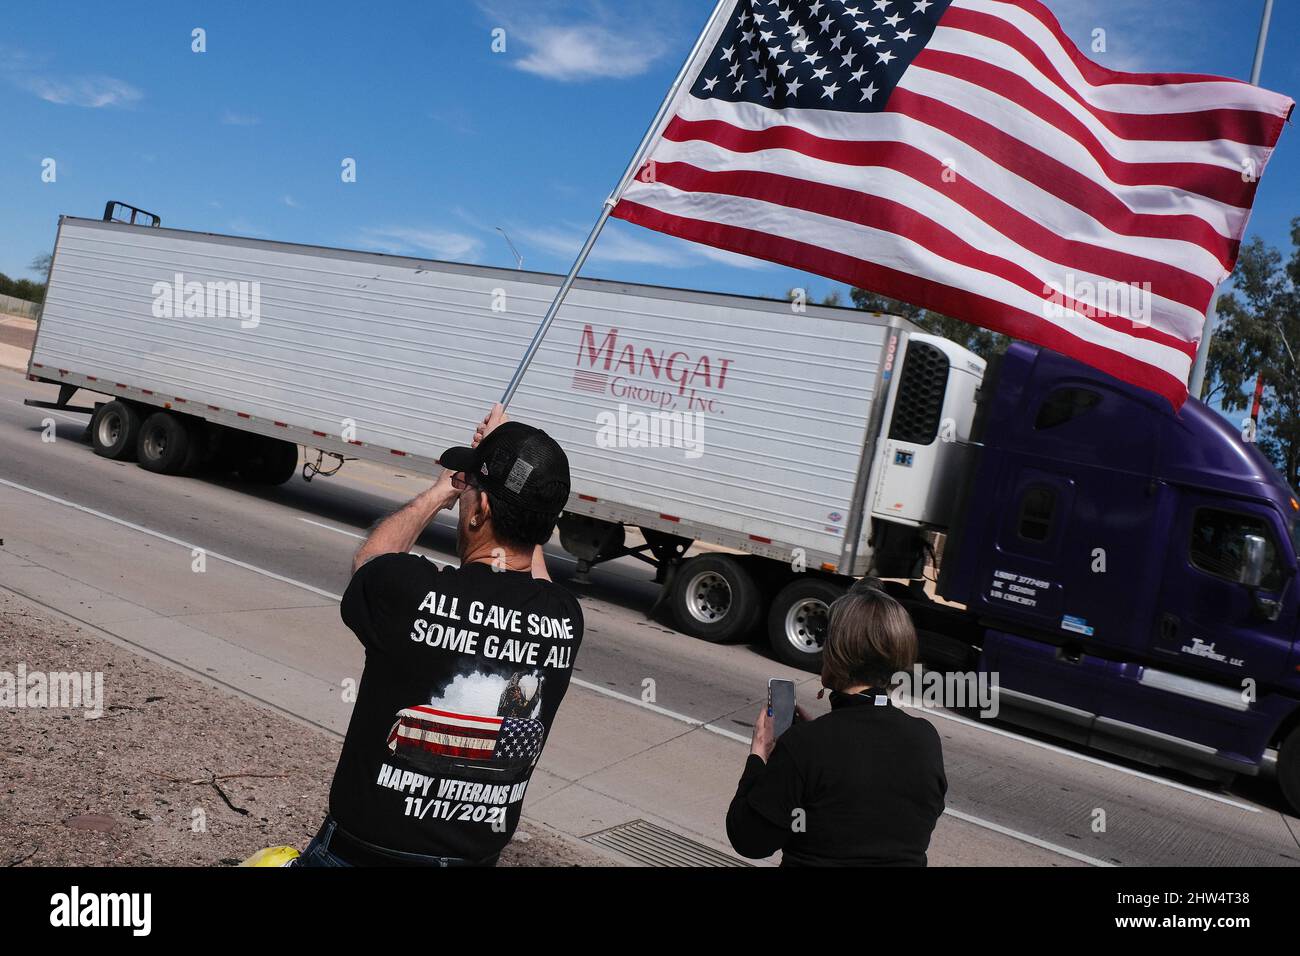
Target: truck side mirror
[{"x": 1252, "y": 567}]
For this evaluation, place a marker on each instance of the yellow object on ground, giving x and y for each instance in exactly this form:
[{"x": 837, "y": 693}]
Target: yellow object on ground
[{"x": 273, "y": 856}]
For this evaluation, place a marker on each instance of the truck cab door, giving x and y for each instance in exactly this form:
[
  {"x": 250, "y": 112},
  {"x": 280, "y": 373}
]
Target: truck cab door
[{"x": 1209, "y": 618}]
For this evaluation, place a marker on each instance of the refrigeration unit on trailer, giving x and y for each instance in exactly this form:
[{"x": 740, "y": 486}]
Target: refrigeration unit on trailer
[{"x": 811, "y": 443}]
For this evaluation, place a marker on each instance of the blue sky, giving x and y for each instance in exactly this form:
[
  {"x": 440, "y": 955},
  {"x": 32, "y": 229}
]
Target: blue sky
[{"x": 451, "y": 139}]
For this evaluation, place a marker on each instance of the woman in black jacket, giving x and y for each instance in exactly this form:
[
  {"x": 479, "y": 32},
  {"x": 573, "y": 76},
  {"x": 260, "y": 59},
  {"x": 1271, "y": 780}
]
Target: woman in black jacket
[{"x": 860, "y": 786}]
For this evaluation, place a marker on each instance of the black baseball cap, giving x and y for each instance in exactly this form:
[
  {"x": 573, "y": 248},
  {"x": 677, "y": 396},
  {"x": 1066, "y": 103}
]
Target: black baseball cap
[{"x": 520, "y": 463}]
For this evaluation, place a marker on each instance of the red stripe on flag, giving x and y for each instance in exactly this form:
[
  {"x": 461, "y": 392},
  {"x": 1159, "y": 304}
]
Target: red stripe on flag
[
  {"x": 1223, "y": 185},
  {"x": 1059, "y": 179},
  {"x": 422, "y": 709},
  {"x": 1250, "y": 127},
  {"x": 888, "y": 216},
  {"x": 926, "y": 293},
  {"x": 1166, "y": 281},
  {"x": 445, "y": 750},
  {"x": 1050, "y": 175},
  {"x": 453, "y": 730}
]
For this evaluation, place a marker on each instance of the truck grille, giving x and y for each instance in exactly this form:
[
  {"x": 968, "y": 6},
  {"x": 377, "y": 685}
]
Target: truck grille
[{"x": 921, "y": 390}]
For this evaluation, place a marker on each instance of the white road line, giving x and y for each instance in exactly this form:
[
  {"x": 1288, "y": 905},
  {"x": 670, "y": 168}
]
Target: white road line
[
  {"x": 350, "y": 534},
  {"x": 1026, "y": 838},
  {"x": 636, "y": 702},
  {"x": 361, "y": 537},
  {"x": 656, "y": 709},
  {"x": 1172, "y": 784},
  {"x": 170, "y": 540}
]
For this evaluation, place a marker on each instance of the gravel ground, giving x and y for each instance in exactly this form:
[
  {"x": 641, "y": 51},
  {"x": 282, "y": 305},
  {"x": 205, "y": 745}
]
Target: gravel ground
[{"x": 173, "y": 773}]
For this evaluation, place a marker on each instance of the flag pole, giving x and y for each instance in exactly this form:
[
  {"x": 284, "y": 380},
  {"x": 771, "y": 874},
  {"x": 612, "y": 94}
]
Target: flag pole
[
  {"x": 1259, "y": 44},
  {"x": 652, "y": 131},
  {"x": 1196, "y": 383}
]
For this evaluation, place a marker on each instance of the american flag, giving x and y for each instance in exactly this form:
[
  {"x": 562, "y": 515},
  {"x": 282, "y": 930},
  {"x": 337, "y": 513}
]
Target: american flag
[
  {"x": 964, "y": 156},
  {"x": 421, "y": 731}
]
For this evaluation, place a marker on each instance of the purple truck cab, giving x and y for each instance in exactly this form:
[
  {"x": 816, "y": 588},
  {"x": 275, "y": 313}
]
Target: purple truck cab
[{"x": 1132, "y": 572}]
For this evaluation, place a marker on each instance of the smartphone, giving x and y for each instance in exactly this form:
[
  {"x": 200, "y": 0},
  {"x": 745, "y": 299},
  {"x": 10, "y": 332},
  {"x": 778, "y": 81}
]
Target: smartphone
[{"x": 780, "y": 704}]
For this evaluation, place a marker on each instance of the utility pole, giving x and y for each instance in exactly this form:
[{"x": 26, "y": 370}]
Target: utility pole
[{"x": 519, "y": 260}]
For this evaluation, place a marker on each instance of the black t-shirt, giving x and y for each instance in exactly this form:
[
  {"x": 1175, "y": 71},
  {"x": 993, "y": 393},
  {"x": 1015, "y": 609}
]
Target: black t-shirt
[
  {"x": 860, "y": 786},
  {"x": 465, "y": 670}
]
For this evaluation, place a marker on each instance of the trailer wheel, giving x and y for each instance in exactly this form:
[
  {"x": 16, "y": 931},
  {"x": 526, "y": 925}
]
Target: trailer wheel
[
  {"x": 1288, "y": 768},
  {"x": 115, "y": 430},
  {"x": 715, "y": 599},
  {"x": 268, "y": 461},
  {"x": 164, "y": 444},
  {"x": 796, "y": 624}
]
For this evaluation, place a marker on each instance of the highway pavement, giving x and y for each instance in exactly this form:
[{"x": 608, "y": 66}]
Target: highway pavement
[{"x": 239, "y": 586}]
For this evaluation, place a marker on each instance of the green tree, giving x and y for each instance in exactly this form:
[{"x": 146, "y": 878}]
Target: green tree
[
  {"x": 982, "y": 342},
  {"x": 832, "y": 298},
  {"x": 1259, "y": 332},
  {"x": 22, "y": 288}
]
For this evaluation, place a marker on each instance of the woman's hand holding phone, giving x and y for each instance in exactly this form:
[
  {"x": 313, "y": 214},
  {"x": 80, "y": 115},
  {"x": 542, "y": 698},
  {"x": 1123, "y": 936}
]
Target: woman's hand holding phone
[{"x": 764, "y": 737}]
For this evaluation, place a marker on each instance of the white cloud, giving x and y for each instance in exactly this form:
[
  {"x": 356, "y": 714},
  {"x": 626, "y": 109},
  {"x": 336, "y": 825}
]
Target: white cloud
[
  {"x": 575, "y": 40},
  {"x": 289, "y": 201},
  {"x": 439, "y": 243},
  {"x": 587, "y": 52},
  {"x": 231, "y": 118},
  {"x": 92, "y": 92}
]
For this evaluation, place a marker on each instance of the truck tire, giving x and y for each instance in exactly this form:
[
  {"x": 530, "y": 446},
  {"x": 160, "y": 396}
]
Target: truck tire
[
  {"x": 164, "y": 444},
  {"x": 205, "y": 444},
  {"x": 267, "y": 461},
  {"x": 1288, "y": 768},
  {"x": 715, "y": 599},
  {"x": 796, "y": 623},
  {"x": 115, "y": 430}
]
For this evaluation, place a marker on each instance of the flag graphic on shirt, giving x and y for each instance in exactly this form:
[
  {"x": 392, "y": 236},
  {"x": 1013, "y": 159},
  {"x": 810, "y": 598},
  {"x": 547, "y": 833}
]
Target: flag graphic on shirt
[
  {"x": 424, "y": 732},
  {"x": 966, "y": 157}
]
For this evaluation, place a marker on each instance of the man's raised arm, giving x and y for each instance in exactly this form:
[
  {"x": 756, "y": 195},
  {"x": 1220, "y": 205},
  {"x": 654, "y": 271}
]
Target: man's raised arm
[{"x": 398, "y": 533}]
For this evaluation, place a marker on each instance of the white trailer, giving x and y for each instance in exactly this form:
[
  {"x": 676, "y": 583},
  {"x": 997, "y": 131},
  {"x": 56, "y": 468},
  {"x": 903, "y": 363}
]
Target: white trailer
[{"x": 816, "y": 443}]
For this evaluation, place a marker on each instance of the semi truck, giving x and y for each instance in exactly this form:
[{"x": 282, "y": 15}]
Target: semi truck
[{"x": 1125, "y": 570}]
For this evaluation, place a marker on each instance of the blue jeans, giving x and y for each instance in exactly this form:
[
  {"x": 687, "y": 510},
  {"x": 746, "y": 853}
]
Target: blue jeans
[
  {"x": 318, "y": 853},
  {"x": 318, "y": 850}
]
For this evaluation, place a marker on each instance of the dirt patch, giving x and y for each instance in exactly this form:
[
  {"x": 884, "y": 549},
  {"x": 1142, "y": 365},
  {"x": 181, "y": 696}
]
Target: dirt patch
[{"x": 173, "y": 772}]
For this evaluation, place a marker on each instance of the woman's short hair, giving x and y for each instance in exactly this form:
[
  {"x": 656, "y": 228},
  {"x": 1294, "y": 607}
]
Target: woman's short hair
[{"x": 870, "y": 638}]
